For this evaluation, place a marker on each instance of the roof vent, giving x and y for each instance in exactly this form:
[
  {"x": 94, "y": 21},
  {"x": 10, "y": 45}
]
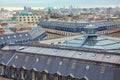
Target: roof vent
[
  {"x": 93, "y": 55},
  {"x": 80, "y": 53},
  {"x": 21, "y": 48},
  {"x": 108, "y": 56}
]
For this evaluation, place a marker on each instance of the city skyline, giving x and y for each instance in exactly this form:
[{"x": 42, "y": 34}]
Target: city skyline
[{"x": 59, "y": 3}]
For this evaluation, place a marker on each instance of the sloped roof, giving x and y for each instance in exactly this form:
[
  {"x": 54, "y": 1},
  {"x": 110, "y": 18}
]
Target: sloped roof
[
  {"x": 66, "y": 62},
  {"x": 21, "y": 36}
]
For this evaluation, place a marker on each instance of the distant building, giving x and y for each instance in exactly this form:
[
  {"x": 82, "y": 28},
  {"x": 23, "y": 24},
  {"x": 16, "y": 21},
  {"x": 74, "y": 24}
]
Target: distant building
[
  {"x": 6, "y": 15},
  {"x": 28, "y": 18},
  {"x": 35, "y": 34},
  {"x": 25, "y": 8},
  {"x": 77, "y": 26}
]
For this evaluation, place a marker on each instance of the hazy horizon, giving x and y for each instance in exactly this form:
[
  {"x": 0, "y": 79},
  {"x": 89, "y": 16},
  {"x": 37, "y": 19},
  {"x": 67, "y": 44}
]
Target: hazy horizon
[
  {"x": 59, "y": 3},
  {"x": 21, "y": 8}
]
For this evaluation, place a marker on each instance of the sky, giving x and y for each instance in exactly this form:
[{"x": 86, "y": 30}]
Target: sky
[{"x": 59, "y": 3}]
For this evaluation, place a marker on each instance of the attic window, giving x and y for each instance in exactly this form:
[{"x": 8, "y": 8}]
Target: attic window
[
  {"x": 16, "y": 57},
  {"x": 20, "y": 35},
  {"x": 37, "y": 60},
  {"x": 80, "y": 53},
  {"x": 73, "y": 64},
  {"x": 26, "y": 34},
  {"x": 60, "y": 63},
  {"x": 87, "y": 66},
  {"x": 14, "y": 36},
  {"x": 26, "y": 58},
  {"x": 102, "y": 69},
  {"x": 8, "y": 37},
  {"x": 48, "y": 61},
  {"x": 2, "y": 38}
]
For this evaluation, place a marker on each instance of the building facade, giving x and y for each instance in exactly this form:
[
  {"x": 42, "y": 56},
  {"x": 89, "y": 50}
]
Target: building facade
[
  {"x": 28, "y": 18},
  {"x": 78, "y": 26}
]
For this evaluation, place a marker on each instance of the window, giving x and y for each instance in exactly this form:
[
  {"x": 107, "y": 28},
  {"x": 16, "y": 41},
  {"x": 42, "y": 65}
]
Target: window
[
  {"x": 1, "y": 70},
  {"x": 14, "y": 36},
  {"x": 8, "y": 37},
  {"x": 37, "y": 59},
  {"x": 60, "y": 63},
  {"x": 44, "y": 76},
  {"x": 33, "y": 75},
  {"x": 26, "y": 58},
  {"x": 57, "y": 77},
  {"x": 48, "y": 61},
  {"x": 2, "y": 38},
  {"x": 73, "y": 64},
  {"x": 26, "y": 34},
  {"x": 102, "y": 69},
  {"x": 69, "y": 78},
  {"x": 16, "y": 57},
  {"x": 87, "y": 67},
  {"x": 28, "y": 19},
  {"x": 20, "y": 35},
  {"x": 22, "y": 74},
  {"x": 82, "y": 79},
  {"x": 13, "y": 73}
]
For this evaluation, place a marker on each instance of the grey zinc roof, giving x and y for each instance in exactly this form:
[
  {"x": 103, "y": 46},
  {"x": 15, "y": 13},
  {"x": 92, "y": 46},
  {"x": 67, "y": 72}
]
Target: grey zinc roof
[
  {"x": 5, "y": 56},
  {"x": 64, "y": 66},
  {"x": 77, "y": 24},
  {"x": 21, "y": 36},
  {"x": 108, "y": 58}
]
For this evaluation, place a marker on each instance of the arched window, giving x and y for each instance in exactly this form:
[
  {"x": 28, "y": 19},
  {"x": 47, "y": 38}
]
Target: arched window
[
  {"x": 57, "y": 77},
  {"x": 69, "y": 78},
  {"x": 22, "y": 74},
  {"x": 44, "y": 75},
  {"x": 33, "y": 75},
  {"x": 12, "y": 72},
  {"x": 83, "y": 79}
]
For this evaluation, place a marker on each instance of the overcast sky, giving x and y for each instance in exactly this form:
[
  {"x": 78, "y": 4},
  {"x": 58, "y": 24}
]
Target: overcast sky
[{"x": 58, "y": 3}]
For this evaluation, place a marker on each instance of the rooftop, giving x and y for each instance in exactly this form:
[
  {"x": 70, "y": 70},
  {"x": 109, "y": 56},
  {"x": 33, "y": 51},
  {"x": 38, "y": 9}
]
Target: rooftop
[
  {"x": 89, "y": 40},
  {"x": 95, "y": 55}
]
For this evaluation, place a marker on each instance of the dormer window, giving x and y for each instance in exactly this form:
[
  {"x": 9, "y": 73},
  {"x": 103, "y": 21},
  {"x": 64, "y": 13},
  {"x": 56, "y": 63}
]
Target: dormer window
[
  {"x": 26, "y": 34},
  {"x": 2, "y": 38},
  {"x": 20, "y": 35},
  {"x": 14, "y": 36},
  {"x": 8, "y": 37},
  {"x": 37, "y": 60}
]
